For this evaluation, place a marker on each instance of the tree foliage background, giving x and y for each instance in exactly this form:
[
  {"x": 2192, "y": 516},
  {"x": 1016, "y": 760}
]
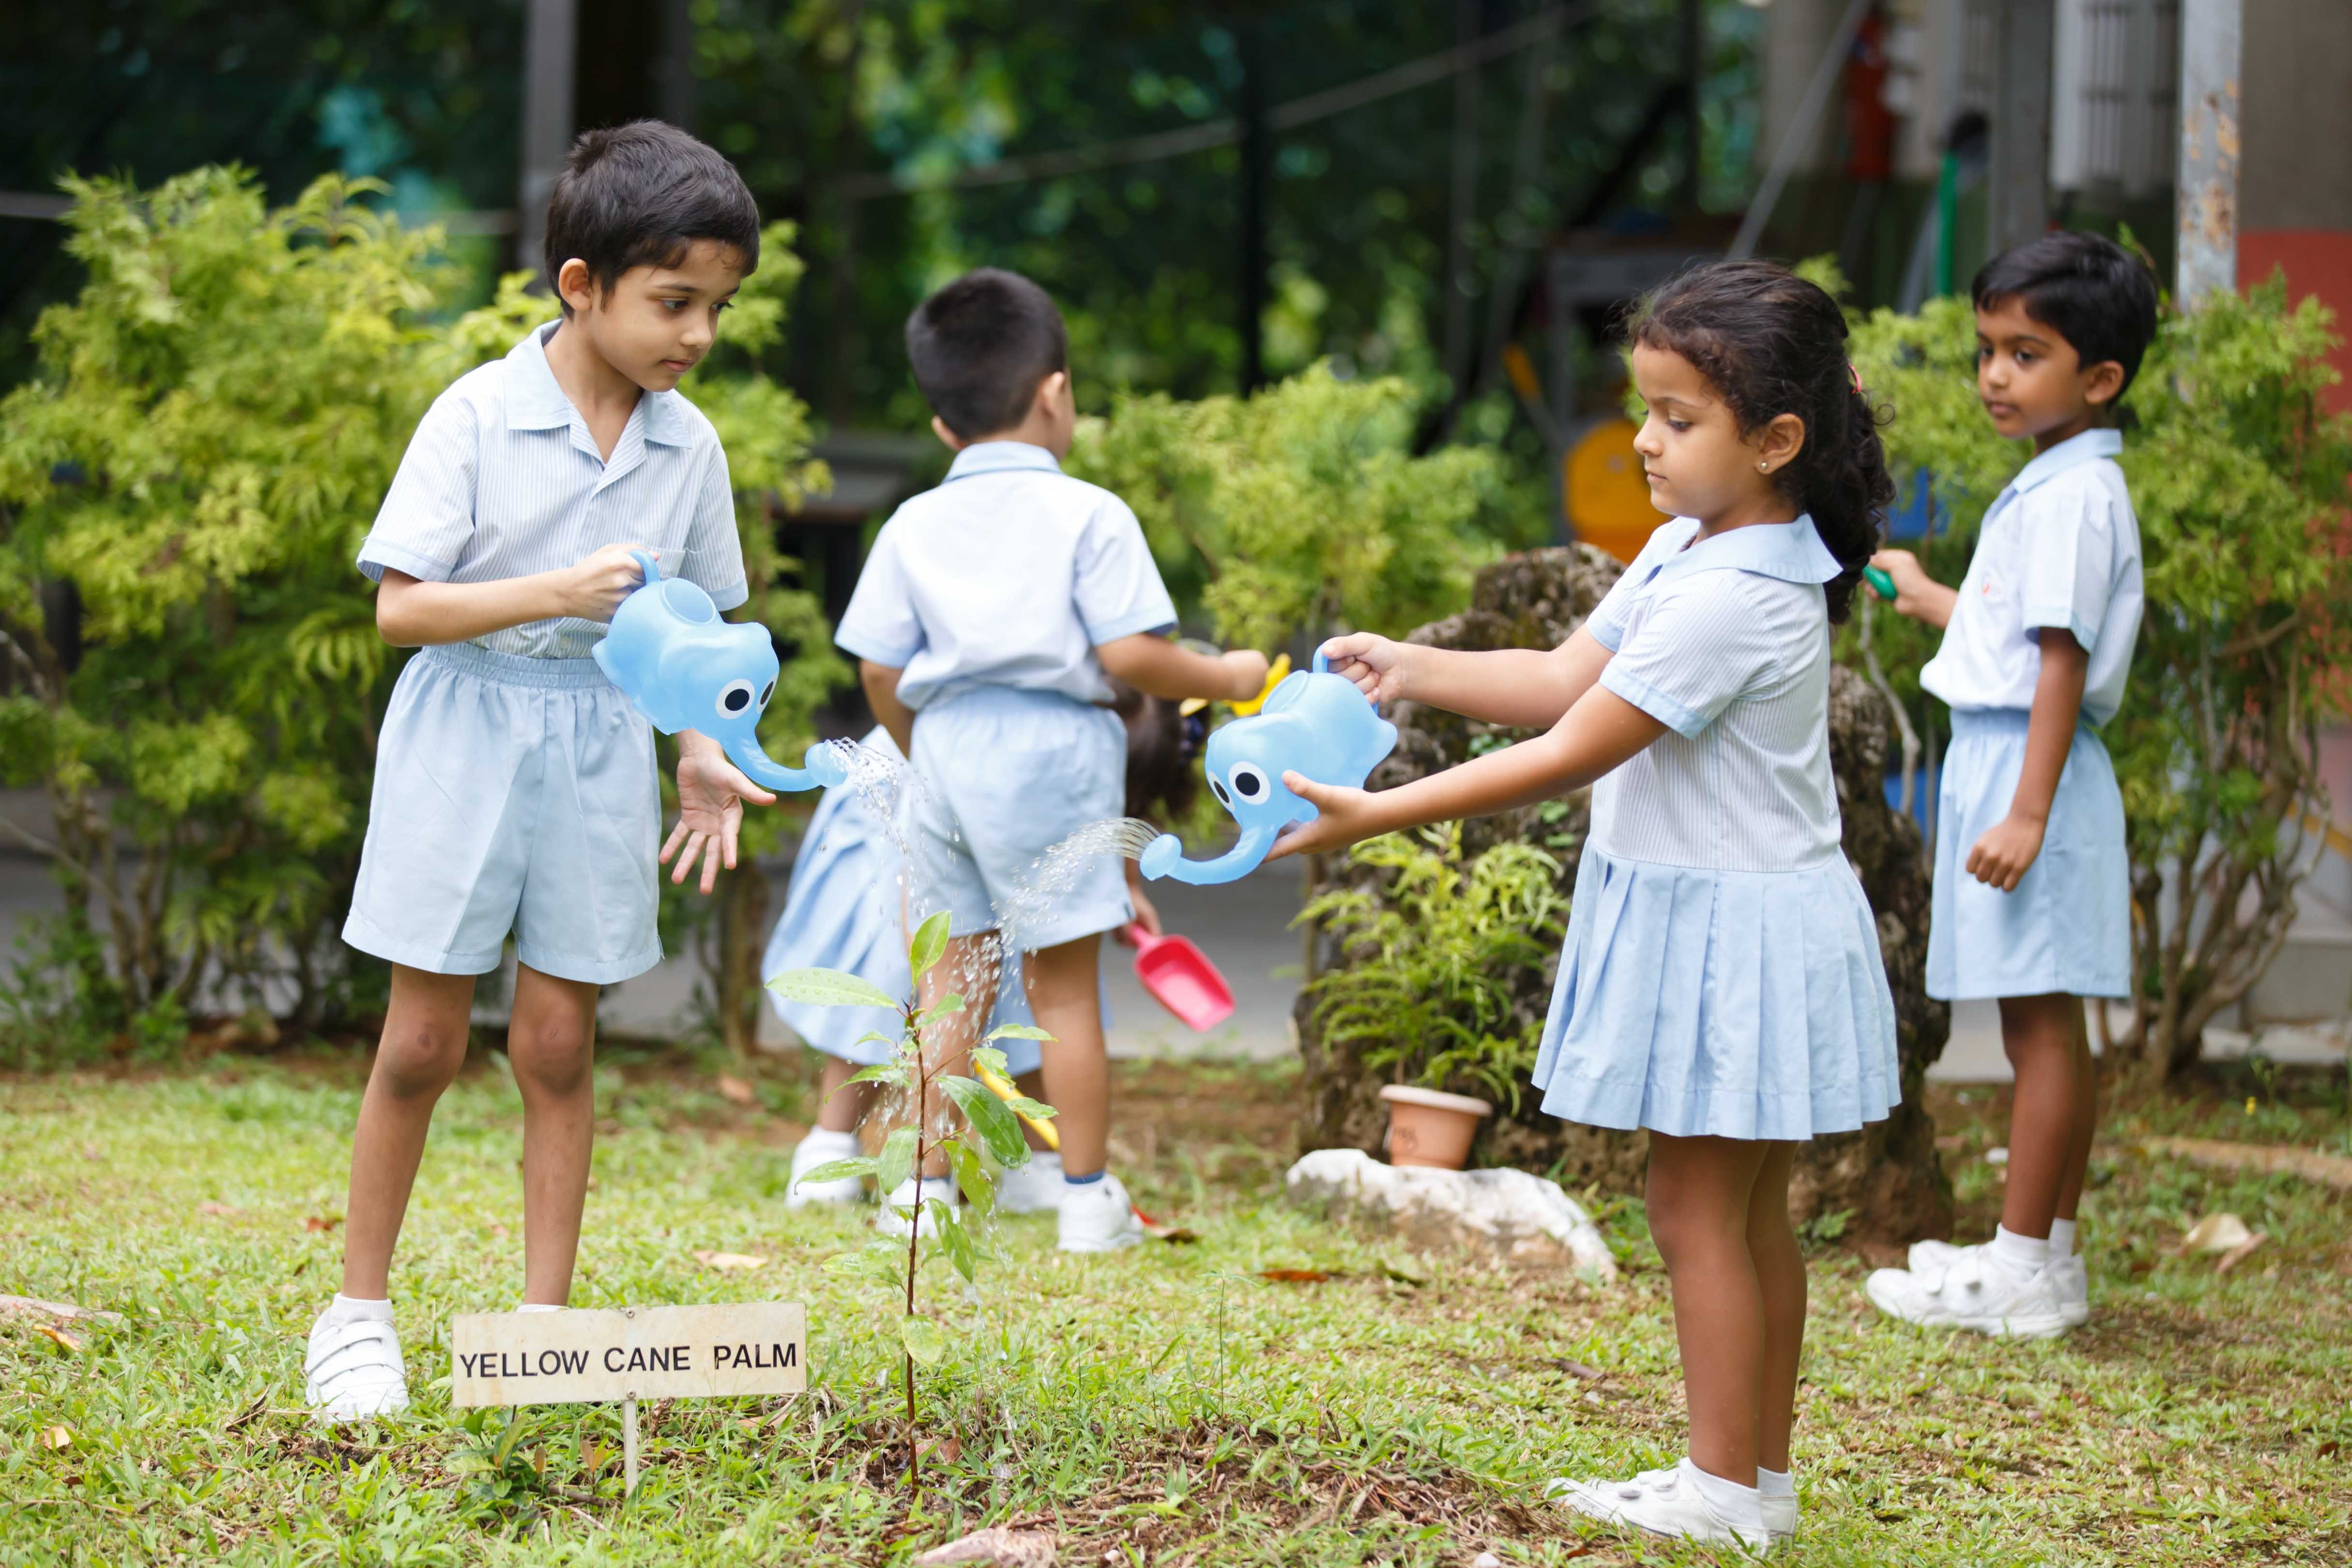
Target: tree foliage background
[{"x": 213, "y": 425}]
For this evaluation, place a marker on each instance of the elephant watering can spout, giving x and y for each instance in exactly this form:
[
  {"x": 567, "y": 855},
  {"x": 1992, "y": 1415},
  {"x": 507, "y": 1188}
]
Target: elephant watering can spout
[
  {"x": 1315, "y": 724},
  {"x": 685, "y": 668}
]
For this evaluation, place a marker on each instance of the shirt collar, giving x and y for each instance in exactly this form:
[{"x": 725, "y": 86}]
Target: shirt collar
[
  {"x": 1793, "y": 552},
  {"x": 2068, "y": 453},
  {"x": 999, "y": 456},
  {"x": 535, "y": 401}
]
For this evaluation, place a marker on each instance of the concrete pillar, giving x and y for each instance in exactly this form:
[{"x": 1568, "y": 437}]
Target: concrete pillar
[
  {"x": 2294, "y": 181},
  {"x": 551, "y": 42},
  {"x": 2018, "y": 184},
  {"x": 2206, "y": 199}
]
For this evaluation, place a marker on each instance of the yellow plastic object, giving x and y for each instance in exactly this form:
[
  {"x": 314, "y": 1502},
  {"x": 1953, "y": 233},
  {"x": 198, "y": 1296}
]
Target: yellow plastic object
[
  {"x": 1274, "y": 673},
  {"x": 1006, "y": 1093},
  {"x": 1608, "y": 498}
]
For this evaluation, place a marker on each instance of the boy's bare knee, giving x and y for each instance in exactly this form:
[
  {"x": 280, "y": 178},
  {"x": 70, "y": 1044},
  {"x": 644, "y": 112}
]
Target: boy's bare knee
[
  {"x": 553, "y": 1058},
  {"x": 419, "y": 1062}
]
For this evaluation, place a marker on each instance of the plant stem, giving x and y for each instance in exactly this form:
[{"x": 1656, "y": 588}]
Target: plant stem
[{"x": 914, "y": 1234}]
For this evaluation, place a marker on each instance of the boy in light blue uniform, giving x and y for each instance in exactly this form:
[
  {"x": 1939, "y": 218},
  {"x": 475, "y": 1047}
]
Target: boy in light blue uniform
[
  {"x": 2033, "y": 900},
  {"x": 983, "y": 624},
  {"x": 515, "y": 789}
]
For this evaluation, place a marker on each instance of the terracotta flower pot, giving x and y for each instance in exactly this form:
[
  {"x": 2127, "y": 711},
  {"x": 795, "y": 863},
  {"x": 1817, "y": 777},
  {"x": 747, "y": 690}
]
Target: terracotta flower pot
[{"x": 1429, "y": 1128}]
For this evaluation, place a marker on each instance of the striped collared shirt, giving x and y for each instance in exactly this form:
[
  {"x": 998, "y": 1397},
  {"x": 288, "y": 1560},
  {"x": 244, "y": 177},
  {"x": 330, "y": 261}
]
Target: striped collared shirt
[
  {"x": 1725, "y": 641},
  {"x": 502, "y": 479}
]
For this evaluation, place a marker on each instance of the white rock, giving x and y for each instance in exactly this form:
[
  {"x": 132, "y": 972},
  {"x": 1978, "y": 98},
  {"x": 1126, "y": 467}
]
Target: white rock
[{"x": 1513, "y": 1215}]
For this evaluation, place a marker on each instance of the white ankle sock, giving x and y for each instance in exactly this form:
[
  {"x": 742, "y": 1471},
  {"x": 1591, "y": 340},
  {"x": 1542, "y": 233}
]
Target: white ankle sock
[
  {"x": 2062, "y": 1239},
  {"x": 1776, "y": 1483},
  {"x": 536, "y": 1307},
  {"x": 1738, "y": 1506},
  {"x": 2018, "y": 1254},
  {"x": 839, "y": 1145},
  {"x": 353, "y": 1310}
]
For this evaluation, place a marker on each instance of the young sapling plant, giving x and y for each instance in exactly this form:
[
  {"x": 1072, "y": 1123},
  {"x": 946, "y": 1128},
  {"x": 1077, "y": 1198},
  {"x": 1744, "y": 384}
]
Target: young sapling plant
[{"x": 993, "y": 1126}]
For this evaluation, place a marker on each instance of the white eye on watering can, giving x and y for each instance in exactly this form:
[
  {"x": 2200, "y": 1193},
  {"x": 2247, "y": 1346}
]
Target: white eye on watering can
[
  {"x": 1249, "y": 784},
  {"x": 766, "y": 691},
  {"x": 734, "y": 697}
]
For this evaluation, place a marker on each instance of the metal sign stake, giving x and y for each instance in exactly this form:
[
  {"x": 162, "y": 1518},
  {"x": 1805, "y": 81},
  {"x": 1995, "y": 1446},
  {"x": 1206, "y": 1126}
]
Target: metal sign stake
[{"x": 629, "y": 1447}]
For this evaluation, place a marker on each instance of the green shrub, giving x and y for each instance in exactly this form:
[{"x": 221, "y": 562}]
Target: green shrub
[
  {"x": 2238, "y": 476},
  {"x": 1429, "y": 994},
  {"x": 214, "y": 421},
  {"x": 1300, "y": 510}
]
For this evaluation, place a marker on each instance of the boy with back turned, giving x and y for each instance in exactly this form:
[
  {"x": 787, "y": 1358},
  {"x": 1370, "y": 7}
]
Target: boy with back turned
[{"x": 985, "y": 620}]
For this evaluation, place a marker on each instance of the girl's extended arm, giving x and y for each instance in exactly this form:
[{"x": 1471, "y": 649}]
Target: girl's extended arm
[
  {"x": 1917, "y": 594},
  {"x": 1158, "y": 667},
  {"x": 2008, "y": 848},
  {"x": 413, "y": 613},
  {"x": 1525, "y": 688},
  {"x": 1599, "y": 733}
]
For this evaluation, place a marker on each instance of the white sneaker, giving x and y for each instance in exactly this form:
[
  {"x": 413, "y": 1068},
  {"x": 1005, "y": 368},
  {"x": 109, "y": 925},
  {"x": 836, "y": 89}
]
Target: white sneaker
[
  {"x": 2073, "y": 1275},
  {"x": 1098, "y": 1218},
  {"x": 906, "y": 1199},
  {"x": 1781, "y": 1518},
  {"x": 822, "y": 1148},
  {"x": 1973, "y": 1292},
  {"x": 353, "y": 1371},
  {"x": 1662, "y": 1502},
  {"x": 1033, "y": 1189}
]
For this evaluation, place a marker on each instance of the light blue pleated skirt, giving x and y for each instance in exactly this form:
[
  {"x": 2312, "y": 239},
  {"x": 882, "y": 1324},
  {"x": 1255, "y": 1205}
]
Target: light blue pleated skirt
[
  {"x": 1724, "y": 1004},
  {"x": 2066, "y": 928},
  {"x": 844, "y": 911}
]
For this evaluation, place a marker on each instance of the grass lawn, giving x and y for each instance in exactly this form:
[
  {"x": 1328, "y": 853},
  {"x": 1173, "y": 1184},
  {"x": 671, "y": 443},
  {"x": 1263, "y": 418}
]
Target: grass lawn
[{"x": 1169, "y": 1405}]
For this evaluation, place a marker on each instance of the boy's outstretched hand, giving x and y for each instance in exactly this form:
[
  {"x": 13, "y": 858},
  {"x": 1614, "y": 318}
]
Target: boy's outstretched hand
[
  {"x": 1347, "y": 817},
  {"x": 710, "y": 795},
  {"x": 1376, "y": 664}
]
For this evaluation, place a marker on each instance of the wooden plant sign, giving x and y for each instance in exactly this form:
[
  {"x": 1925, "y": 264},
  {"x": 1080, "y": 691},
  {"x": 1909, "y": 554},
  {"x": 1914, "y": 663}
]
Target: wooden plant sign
[{"x": 637, "y": 1353}]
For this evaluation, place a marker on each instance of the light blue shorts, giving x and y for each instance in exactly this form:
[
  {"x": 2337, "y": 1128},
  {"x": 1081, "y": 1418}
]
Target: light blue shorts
[
  {"x": 843, "y": 911},
  {"x": 2067, "y": 928},
  {"x": 511, "y": 795},
  {"x": 1006, "y": 774}
]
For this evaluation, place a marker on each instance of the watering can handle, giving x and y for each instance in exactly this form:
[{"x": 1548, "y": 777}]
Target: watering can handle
[
  {"x": 645, "y": 564},
  {"x": 1321, "y": 664}
]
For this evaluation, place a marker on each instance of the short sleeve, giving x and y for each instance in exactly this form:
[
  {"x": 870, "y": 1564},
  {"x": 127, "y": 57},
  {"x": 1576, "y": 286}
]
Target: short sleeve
[
  {"x": 2069, "y": 569},
  {"x": 880, "y": 622},
  {"x": 427, "y": 516},
  {"x": 714, "y": 550},
  {"x": 1702, "y": 647},
  {"x": 1117, "y": 587}
]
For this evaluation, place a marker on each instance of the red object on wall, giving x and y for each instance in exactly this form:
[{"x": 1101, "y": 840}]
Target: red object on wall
[
  {"x": 1869, "y": 124},
  {"x": 2317, "y": 261}
]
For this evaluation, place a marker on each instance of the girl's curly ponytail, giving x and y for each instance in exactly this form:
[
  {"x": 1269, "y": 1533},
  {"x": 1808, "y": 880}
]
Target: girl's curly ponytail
[{"x": 1773, "y": 344}]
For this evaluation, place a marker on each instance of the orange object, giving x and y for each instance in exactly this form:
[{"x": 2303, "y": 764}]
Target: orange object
[
  {"x": 1430, "y": 1128},
  {"x": 1608, "y": 498}
]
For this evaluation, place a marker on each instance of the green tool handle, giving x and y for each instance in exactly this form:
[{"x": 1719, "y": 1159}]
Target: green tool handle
[{"x": 1880, "y": 583}]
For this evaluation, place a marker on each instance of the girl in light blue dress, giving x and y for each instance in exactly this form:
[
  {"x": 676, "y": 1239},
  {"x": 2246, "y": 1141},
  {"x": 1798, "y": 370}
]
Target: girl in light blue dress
[{"x": 1721, "y": 983}]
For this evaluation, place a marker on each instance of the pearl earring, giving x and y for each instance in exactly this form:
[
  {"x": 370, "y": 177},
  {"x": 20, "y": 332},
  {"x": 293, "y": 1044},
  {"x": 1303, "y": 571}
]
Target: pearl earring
[{"x": 1763, "y": 467}]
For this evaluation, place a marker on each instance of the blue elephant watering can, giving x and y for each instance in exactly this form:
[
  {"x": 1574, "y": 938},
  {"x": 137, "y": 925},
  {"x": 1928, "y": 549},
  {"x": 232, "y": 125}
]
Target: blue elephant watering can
[
  {"x": 685, "y": 668},
  {"x": 1315, "y": 724}
]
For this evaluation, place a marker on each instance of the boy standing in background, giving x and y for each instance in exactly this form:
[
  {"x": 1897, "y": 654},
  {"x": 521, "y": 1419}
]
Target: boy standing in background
[
  {"x": 986, "y": 617},
  {"x": 2032, "y": 899},
  {"x": 515, "y": 788}
]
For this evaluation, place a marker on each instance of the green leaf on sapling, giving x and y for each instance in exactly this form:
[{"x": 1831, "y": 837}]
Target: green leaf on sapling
[
  {"x": 897, "y": 1161},
  {"x": 972, "y": 1175},
  {"x": 923, "y": 1340},
  {"x": 1036, "y": 1110},
  {"x": 888, "y": 1072},
  {"x": 989, "y": 1118},
  {"x": 946, "y": 1007},
  {"x": 930, "y": 939},
  {"x": 954, "y": 1238},
  {"x": 838, "y": 1170},
  {"x": 1016, "y": 1031},
  {"x": 988, "y": 1058},
  {"x": 830, "y": 988}
]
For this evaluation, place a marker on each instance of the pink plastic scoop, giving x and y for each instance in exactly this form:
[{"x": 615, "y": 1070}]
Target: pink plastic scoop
[{"x": 1180, "y": 977}]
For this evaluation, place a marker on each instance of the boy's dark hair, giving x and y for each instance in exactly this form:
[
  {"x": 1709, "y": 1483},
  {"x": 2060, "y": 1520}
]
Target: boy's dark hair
[
  {"x": 2086, "y": 288},
  {"x": 980, "y": 345},
  {"x": 638, "y": 195},
  {"x": 1772, "y": 343}
]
